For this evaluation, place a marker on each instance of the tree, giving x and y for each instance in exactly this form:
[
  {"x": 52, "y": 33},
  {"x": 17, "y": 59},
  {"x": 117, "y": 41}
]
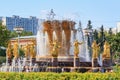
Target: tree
[
  {"x": 114, "y": 41},
  {"x": 21, "y": 53},
  {"x": 110, "y": 31},
  {"x": 101, "y": 38},
  {"x": 89, "y": 26},
  {"x": 13, "y": 34},
  {"x": 4, "y": 35},
  {"x": 24, "y": 33},
  {"x": 95, "y": 35}
]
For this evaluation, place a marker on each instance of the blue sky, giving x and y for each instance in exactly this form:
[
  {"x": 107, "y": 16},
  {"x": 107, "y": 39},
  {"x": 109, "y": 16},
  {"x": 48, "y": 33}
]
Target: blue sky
[{"x": 106, "y": 12}]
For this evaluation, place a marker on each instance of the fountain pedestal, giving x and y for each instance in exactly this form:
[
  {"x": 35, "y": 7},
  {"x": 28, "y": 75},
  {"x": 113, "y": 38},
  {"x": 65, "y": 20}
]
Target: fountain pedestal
[
  {"x": 76, "y": 62},
  {"x": 54, "y": 62},
  {"x": 33, "y": 60},
  {"x": 95, "y": 62},
  {"x": 54, "y": 67},
  {"x": 16, "y": 60},
  {"x": 106, "y": 62},
  {"x": 9, "y": 61}
]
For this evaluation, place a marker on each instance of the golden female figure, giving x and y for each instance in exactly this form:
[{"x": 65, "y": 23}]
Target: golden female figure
[
  {"x": 106, "y": 52},
  {"x": 95, "y": 50},
  {"x": 55, "y": 48},
  {"x": 15, "y": 51},
  {"x": 32, "y": 51},
  {"x": 76, "y": 47},
  {"x": 8, "y": 51},
  {"x": 26, "y": 50}
]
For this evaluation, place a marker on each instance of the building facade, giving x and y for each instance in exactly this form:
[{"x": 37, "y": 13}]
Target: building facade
[
  {"x": 118, "y": 27},
  {"x": 28, "y": 24},
  {"x": 114, "y": 30}
]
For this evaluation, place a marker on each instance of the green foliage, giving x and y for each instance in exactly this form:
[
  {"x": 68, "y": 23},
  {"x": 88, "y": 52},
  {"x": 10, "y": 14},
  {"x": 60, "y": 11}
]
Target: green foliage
[
  {"x": 100, "y": 37},
  {"x": 21, "y": 52},
  {"x": 116, "y": 68},
  {"x": 110, "y": 31},
  {"x": 114, "y": 41},
  {"x": 2, "y": 59},
  {"x": 13, "y": 34},
  {"x": 24, "y": 33},
  {"x": 4, "y": 35},
  {"x": 89, "y": 26},
  {"x": 116, "y": 56},
  {"x": 59, "y": 76},
  {"x": 96, "y": 35},
  {"x": 2, "y": 52}
]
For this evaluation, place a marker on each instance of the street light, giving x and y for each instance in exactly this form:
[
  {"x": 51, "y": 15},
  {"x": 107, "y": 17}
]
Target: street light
[{"x": 18, "y": 30}]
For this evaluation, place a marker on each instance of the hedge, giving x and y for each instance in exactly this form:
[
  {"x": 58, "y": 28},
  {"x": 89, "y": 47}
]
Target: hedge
[{"x": 58, "y": 76}]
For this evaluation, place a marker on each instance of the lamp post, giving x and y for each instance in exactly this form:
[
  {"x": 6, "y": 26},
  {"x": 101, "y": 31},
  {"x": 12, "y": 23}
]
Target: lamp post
[{"x": 18, "y": 30}]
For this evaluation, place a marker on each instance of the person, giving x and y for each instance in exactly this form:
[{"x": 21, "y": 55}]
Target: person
[
  {"x": 95, "y": 49},
  {"x": 106, "y": 52},
  {"x": 55, "y": 48},
  {"x": 27, "y": 69},
  {"x": 15, "y": 51},
  {"x": 76, "y": 47},
  {"x": 24, "y": 69}
]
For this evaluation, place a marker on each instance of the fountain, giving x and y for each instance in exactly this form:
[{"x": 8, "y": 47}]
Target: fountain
[
  {"x": 65, "y": 33},
  {"x": 59, "y": 46}
]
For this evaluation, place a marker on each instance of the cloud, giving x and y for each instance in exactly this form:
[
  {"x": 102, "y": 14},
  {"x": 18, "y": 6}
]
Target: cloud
[
  {"x": 72, "y": 16},
  {"x": 44, "y": 14}
]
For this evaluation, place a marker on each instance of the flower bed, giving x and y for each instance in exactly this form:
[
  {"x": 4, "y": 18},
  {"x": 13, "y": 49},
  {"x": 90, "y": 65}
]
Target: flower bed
[{"x": 58, "y": 76}]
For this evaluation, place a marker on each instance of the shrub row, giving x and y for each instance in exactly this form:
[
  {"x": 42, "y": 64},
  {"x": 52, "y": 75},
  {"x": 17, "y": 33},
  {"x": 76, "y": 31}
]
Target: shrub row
[{"x": 59, "y": 76}]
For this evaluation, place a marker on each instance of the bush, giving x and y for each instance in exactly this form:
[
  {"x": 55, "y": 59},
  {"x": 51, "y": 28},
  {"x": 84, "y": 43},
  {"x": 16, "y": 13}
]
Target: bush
[
  {"x": 59, "y": 76},
  {"x": 2, "y": 52},
  {"x": 2, "y": 59},
  {"x": 116, "y": 68},
  {"x": 21, "y": 53}
]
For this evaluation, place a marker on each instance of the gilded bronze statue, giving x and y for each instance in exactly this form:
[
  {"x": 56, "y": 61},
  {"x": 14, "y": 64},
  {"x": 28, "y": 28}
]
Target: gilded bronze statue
[
  {"x": 95, "y": 50},
  {"x": 76, "y": 47},
  {"x": 8, "y": 51},
  {"x": 15, "y": 50},
  {"x": 32, "y": 50},
  {"x": 106, "y": 52},
  {"x": 55, "y": 48},
  {"x": 26, "y": 50}
]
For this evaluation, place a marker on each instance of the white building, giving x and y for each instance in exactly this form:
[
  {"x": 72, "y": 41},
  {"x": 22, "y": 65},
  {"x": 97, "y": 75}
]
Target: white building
[
  {"x": 114, "y": 30},
  {"x": 118, "y": 27}
]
